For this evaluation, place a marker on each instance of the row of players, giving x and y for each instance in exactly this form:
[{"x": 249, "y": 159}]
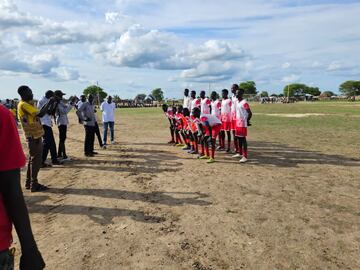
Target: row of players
[{"x": 202, "y": 121}]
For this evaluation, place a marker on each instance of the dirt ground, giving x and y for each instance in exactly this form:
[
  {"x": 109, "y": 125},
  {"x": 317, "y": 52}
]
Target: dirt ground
[{"x": 142, "y": 204}]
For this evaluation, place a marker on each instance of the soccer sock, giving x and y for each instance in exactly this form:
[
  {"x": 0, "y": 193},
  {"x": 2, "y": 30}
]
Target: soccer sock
[
  {"x": 240, "y": 142},
  {"x": 245, "y": 148},
  {"x": 229, "y": 139},
  {"x": 207, "y": 150},
  {"x": 202, "y": 149},
  {"x": 172, "y": 134},
  {"x": 213, "y": 151}
]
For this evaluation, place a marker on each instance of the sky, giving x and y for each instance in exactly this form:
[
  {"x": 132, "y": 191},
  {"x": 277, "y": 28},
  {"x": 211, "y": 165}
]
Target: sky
[{"x": 133, "y": 46}]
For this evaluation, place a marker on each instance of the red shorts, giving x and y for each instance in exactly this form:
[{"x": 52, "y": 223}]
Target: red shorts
[
  {"x": 226, "y": 126},
  {"x": 215, "y": 130},
  {"x": 233, "y": 124},
  {"x": 241, "y": 131}
]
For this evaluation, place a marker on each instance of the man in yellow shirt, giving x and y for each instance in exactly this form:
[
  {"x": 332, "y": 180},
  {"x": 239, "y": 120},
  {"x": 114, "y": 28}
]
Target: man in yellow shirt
[{"x": 29, "y": 118}]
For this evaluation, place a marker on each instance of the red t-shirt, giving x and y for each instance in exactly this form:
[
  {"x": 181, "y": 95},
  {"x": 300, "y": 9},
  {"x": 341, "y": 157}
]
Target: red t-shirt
[
  {"x": 11, "y": 157},
  {"x": 11, "y": 152}
]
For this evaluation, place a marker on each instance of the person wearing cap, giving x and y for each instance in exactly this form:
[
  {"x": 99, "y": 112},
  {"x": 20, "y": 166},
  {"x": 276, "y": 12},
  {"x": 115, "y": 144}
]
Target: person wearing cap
[
  {"x": 62, "y": 122},
  {"x": 48, "y": 138}
]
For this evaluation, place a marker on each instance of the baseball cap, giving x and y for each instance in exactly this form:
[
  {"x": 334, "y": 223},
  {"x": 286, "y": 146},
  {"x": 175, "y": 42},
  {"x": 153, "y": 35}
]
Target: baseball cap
[{"x": 59, "y": 93}]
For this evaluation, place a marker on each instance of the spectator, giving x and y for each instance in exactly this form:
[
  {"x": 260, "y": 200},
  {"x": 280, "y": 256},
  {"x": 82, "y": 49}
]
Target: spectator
[
  {"x": 108, "y": 111},
  {"x": 48, "y": 137},
  {"x": 86, "y": 112},
  {"x": 62, "y": 122},
  {"x": 12, "y": 204}
]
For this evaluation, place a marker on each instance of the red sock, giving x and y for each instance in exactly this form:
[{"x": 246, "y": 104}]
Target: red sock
[{"x": 207, "y": 150}]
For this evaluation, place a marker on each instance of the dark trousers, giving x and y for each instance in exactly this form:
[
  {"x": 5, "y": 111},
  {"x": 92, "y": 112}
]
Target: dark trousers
[
  {"x": 98, "y": 135},
  {"x": 62, "y": 139},
  {"x": 49, "y": 144},
  {"x": 89, "y": 139},
  {"x": 35, "y": 160},
  {"x": 106, "y": 126}
]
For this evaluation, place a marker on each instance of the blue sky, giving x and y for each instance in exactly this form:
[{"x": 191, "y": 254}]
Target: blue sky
[{"x": 133, "y": 46}]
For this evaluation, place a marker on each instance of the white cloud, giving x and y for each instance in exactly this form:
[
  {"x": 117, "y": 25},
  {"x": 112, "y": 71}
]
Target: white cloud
[
  {"x": 65, "y": 74},
  {"x": 333, "y": 66},
  {"x": 290, "y": 79},
  {"x": 286, "y": 65}
]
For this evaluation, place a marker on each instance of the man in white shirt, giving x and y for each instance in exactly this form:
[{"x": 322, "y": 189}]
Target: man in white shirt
[
  {"x": 187, "y": 99},
  {"x": 108, "y": 117},
  {"x": 48, "y": 138}
]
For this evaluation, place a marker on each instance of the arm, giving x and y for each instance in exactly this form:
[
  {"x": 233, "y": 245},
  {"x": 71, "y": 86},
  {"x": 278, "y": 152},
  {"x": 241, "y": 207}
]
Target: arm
[
  {"x": 249, "y": 116},
  {"x": 45, "y": 108}
]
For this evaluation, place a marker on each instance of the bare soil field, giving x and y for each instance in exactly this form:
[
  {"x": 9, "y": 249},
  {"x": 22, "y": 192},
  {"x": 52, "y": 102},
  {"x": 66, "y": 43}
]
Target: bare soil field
[{"x": 142, "y": 204}]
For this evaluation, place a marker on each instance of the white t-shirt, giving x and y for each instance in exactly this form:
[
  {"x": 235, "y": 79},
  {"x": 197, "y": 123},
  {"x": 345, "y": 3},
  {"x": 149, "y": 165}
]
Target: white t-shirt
[
  {"x": 216, "y": 108},
  {"x": 226, "y": 105},
  {"x": 108, "y": 111},
  {"x": 187, "y": 101},
  {"x": 242, "y": 113},
  {"x": 205, "y": 106},
  {"x": 233, "y": 107},
  {"x": 211, "y": 119}
]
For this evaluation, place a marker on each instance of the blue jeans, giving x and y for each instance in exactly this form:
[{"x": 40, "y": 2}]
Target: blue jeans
[{"x": 106, "y": 126}]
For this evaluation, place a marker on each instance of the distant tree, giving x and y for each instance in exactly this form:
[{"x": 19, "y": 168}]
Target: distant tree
[
  {"x": 314, "y": 91},
  {"x": 140, "y": 98},
  {"x": 295, "y": 89},
  {"x": 264, "y": 94},
  {"x": 158, "y": 94},
  {"x": 116, "y": 98},
  {"x": 350, "y": 88},
  {"x": 327, "y": 94},
  {"x": 249, "y": 87},
  {"x": 95, "y": 91},
  {"x": 274, "y": 95}
]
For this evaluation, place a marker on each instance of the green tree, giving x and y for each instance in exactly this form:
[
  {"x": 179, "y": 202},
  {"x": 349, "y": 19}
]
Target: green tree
[
  {"x": 158, "y": 94},
  {"x": 350, "y": 88},
  {"x": 264, "y": 94},
  {"x": 249, "y": 87},
  {"x": 312, "y": 91},
  {"x": 95, "y": 91},
  {"x": 140, "y": 98},
  {"x": 116, "y": 98},
  {"x": 295, "y": 89}
]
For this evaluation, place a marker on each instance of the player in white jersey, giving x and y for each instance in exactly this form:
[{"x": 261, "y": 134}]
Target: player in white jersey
[
  {"x": 216, "y": 111},
  {"x": 205, "y": 103},
  {"x": 187, "y": 99},
  {"x": 209, "y": 127},
  {"x": 243, "y": 116},
  {"x": 226, "y": 105},
  {"x": 195, "y": 102},
  {"x": 234, "y": 100}
]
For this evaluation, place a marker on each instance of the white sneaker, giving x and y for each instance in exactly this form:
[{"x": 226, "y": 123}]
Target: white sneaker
[
  {"x": 237, "y": 155},
  {"x": 243, "y": 160},
  {"x": 112, "y": 142},
  {"x": 66, "y": 159}
]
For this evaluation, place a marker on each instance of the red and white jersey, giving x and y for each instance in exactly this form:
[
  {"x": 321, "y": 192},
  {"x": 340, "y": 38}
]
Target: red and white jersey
[
  {"x": 216, "y": 108},
  {"x": 241, "y": 113},
  {"x": 194, "y": 103},
  {"x": 233, "y": 108},
  {"x": 169, "y": 113},
  {"x": 226, "y": 105},
  {"x": 211, "y": 119},
  {"x": 205, "y": 106}
]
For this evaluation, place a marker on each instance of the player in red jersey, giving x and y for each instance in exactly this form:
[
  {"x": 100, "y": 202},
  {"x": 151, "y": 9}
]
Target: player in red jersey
[
  {"x": 185, "y": 131},
  {"x": 193, "y": 133},
  {"x": 234, "y": 100},
  {"x": 226, "y": 105},
  {"x": 209, "y": 128},
  {"x": 243, "y": 116},
  {"x": 205, "y": 103},
  {"x": 169, "y": 115}
]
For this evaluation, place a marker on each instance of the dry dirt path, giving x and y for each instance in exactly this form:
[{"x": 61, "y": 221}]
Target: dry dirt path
[{"x": 142, "y": 204}]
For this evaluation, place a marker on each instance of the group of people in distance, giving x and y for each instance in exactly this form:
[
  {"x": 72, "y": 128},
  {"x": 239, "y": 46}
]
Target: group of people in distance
[{"x": 201, "y": 121}]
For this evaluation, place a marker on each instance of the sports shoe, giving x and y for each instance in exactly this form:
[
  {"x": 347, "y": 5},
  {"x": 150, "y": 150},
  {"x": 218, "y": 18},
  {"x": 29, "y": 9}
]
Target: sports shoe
[
  {"x": 180, "y": 145},
  {"x": 186, "y": 148},
  {"x": 211, "y": 160},
  {"x": 237, "y": 155},
  {"x": 66, "y": 159},
  {"x": 204, "y": 157},
  {"x": 57, "y": 162},
  {"x": 112, "y": 142},
  {"x": 104, "y": 147},
  {"x": 243, "y": 160},
  {"x": 38, "y": 187}
]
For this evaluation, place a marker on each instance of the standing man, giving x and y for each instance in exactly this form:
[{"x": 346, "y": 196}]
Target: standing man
[
  {"x": 13, "y": 209},
  {"x": 48, "y": 138},
  {"x": 187, "y": 99},
  {"x": 108, "y": 112},
  {"x": 88, "y": 118},
  {"x": 195, "y": 102},
  {"x": 234, "y": 101},
  {"x": 62, "y": 122},
  {"x": 30, "y": 122}
]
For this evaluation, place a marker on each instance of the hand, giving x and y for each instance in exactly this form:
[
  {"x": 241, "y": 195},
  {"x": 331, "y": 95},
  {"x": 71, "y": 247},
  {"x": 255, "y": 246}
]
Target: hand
[{"x": 32, "y": 260}]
